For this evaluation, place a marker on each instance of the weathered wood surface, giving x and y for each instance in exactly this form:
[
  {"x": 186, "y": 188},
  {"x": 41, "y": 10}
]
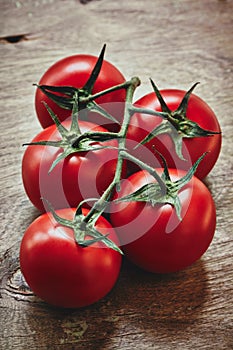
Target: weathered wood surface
[{"x": 176, "y": 42}]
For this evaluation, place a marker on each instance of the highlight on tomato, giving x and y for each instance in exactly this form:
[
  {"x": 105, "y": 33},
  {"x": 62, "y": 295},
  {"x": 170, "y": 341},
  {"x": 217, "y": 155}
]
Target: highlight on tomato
[{"x": 63, "y": 272}]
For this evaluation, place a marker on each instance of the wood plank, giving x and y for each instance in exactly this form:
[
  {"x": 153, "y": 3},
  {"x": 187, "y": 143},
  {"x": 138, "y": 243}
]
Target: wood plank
[{"x": 176, "y": 43}]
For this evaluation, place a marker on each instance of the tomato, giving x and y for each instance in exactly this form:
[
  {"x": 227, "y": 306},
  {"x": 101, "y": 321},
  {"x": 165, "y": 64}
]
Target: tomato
[
  {"x": 60, "y": 271},
  {"x": 81, "y": 175},
  {"x": 192, "y": 148},
  {"x": 153, "y": 237},
  {"x": 74, "y": 71}
]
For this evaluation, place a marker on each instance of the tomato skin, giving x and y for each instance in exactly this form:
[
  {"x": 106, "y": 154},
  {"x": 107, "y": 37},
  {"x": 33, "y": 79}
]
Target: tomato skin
[
  {"x": 75, "y": 71},
  {"x": 80, "y": 176},
  {"x": 197, "y": 111},
  {"x": 152, "y": 237},
  {"x": 61, "y": 272}
]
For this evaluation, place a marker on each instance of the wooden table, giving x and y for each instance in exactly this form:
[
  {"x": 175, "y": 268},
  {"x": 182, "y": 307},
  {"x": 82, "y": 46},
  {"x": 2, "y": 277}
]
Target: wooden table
[{"x": 176, "y": 42}]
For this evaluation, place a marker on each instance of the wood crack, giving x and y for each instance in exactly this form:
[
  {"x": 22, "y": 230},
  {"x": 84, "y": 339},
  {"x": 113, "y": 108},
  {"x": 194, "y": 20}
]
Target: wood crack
[{"x": 16, "y": 38}]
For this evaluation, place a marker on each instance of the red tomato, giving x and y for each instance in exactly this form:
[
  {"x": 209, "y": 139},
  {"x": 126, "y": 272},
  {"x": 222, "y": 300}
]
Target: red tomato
[
  {"x": 79, "y": 176},
  {"x": 74, "y": 71},
  {"x": 192, "y": 148},
  {"x": 153, "y": 237},
  {"x": 60, "y": 271}
]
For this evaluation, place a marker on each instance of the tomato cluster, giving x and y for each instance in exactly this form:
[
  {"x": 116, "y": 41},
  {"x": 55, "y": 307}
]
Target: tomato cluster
[{"x": 112, "y": 176}]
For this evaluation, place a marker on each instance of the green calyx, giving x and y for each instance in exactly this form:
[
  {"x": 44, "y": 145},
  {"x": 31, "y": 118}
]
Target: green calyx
[
  {"x": 154, "y": 193},
  {"x": 66, "y": 99},
  {"x": 65, "y": 96},
  {"x": 73, "y": 140},
  {"x": 82, "y": 229},
  {"x": 175, "y": 123}
]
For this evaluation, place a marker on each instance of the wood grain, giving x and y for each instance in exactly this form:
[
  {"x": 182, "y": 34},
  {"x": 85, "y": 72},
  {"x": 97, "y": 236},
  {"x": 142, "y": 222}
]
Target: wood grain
[{"x": 176, "y": 43}]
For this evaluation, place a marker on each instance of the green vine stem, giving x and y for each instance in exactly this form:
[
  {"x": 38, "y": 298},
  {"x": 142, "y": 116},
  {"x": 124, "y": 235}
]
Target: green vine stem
[
  {"x": 86, "y": 99},
  {"x": 100, "y": 205},
  {"x": 141, "y": 164},
  {"x": 141, "y": 110}
]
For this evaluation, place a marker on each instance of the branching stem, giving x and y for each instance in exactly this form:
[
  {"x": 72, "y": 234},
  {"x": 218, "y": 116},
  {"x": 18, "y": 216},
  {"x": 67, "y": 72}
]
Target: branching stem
[{"x": 100, "y": 205}]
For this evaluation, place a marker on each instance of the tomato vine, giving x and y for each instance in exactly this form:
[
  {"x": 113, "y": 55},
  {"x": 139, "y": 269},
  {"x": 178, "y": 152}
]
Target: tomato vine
[
  {"x": 163, "y": 194},
  {"x": 74, "y": 141}
]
